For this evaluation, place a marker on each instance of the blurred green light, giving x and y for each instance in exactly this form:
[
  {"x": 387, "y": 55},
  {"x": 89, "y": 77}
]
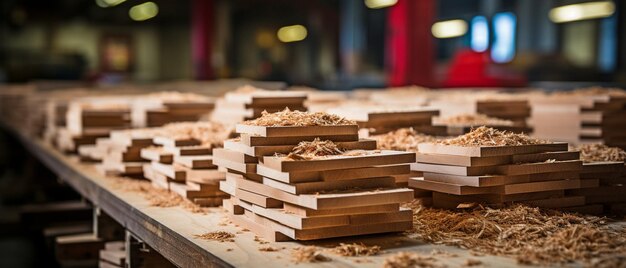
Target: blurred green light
[{"x": 143, "y": 11}]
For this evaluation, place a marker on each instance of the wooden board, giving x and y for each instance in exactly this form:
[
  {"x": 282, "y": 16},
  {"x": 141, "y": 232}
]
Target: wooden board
[
  {"x": 508, "y": 189},
  {"x": 373, "y": 158},
  {"x": 241, "y": 167},
  {"x": 230, "y": 187},
  {"x": 204, "y": 176},
  {"x": 332, "y": 175},
  {"x": 157, "y": 155},
  {"x": 189, "y": 150},
  {"x": 174, "y": 172},
  {"x": 291, "y": 131},
  {"x": 307, "y": 212},
  {"x": 514, "y": 169},
  {"x": 259, "y": 151},
  {"x": 450, "y": 201},
  {"x": 321, "y": 186},
  {"x": 431, "y": 148},
  {"x": 234, "y": 155},
  {"x": 472, "y": 161},
  {"x": 252, "y": 140},
  {"x": 328, "y": 200},
  {"x": 494, "y": 180},
  {"x": 195, "y": 161},
  {"x": 603, "y": 167},
  {"x": 173, "y": 142}
]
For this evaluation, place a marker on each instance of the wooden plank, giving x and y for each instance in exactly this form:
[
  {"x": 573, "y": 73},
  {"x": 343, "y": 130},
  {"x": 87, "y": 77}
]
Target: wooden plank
[
  {"x": 259, "y": 151},
  {"x": 332, "y": 175},
  {"x": 493, "y": 180},
  {"x": 204, "y": 176},
  {"x": 321, "y": 186},
  {"x": 230, "y": 154},
  {"x": 241, "y": 167},
  {"x": 189, "y": 150},
  {"x": 484, "y": 151},
  {"x": 174, "y": 172},
  {"x": 265, "y": 231},
  {"x": 472, "y": 161},
  {"x": 252, "y": 140},
  {"x": 509, "y": 189},
  {"x": 514, "y": 169},
  {"x": 372, "y": 158},
  {"x": 602, "y": 167},
  {"x": 307, "y": 212},
  {"x": 175, "y": 142},
  {"x": 195, "y": 161},
  {"x": 157, "y": 154},
  {"x": 291, "y": 131}
]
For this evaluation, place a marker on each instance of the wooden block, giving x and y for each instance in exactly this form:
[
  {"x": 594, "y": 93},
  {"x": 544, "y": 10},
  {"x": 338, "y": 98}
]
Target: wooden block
[
  {"x": 244, "y": 222},
  {"x": 332, "y": 175},
  {"x": 484, "y": 151},
  {"x": 252, "y": 140},
  {"x": 327, "y": 200},
  {"x": 322, "y": 186},
  {"x": 250, "y": 197},
  {"x": 371, "y": 158},
  {"x": 204, "y": 176},
  {"x": 603, "y": 167},
  {"x": 259, "y": 151},
  {"x": 493, "y": 180},
  {"x": 247, "y": 176},
  {"x": 235, "y": 155},
  {"x": 189, "y": 150},
  {"x": 209, "y": 201},
  {"x": 292, "y": 131},
  {"x": 306, "y": 212},
  {"x": 240, "y": 167},
  {"x": 174, "y": 172},
  {"x": 195, "y": 161},
  {"x": 156, "y": 154},
  {"x": 127, "y": 168},
  {"x": 188, "y": 192},
  {"x": 175, "y": 142}
]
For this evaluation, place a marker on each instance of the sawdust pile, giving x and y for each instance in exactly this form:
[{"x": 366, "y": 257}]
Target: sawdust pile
[
  {"x": 307, "y": 150},
  {"x": 308, "y": 254},
  {"x": 472, "y": 120},
  {"x": 354, "y": 250},
  {"x": 220, "y": 236},
  {"x": 298, "y": 119},
  {"x": 207, "y": 132},
  {"x": 600, "y": 153},
  {"x": 411, "y": 259},
  {"x": 486, "y": 136},
  {"x": 404, "y": 139},
  {"x": 530, "y": 235}
]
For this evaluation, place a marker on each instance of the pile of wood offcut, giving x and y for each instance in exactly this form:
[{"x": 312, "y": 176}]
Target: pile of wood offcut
[{"x": 306, "y": 176}]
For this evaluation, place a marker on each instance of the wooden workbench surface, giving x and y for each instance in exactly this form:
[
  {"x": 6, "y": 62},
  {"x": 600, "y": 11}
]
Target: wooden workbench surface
[{"x": 172, "y": 230}]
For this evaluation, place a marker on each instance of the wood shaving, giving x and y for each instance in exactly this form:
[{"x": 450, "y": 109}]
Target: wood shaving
[
  {"x": 531, "y": 235},
  {"x": 208, "y": 133},
  {"x": 472, "y": 262},
  {"x": 471, "y": 120},
  {"x": 354, "y": 249},
  {"x": 308, "y": 254},
  {"x": 600, "y": 153},
  {"x": 486, "y": 136},
  {"x": 220, "y": 236},
  {"x": 404, "y": 139},
  {"x": 299, "y": 119},
  {"x": 306, "y": 150},
  {"x": 410, "y": 259},
  {"x": 268, "y": 249}
]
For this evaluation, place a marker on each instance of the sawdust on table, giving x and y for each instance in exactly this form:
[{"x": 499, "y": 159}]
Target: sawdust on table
[
  {"x": 486, "y": 136},
  {"x": 308, "y": 254},
  {"x": 220, "y": 236},
  {"x": 411, "y": 259},
  {"x": 464, "y": 120},
  {"x": 209, "y": 133},
  {"x": 355, "y": 250},
  {"x": 600, "y": 153},
  {"x": 530, "y": 235},
  {"x": 298, "y": 118},
  {"x": 404, "y": 139}
]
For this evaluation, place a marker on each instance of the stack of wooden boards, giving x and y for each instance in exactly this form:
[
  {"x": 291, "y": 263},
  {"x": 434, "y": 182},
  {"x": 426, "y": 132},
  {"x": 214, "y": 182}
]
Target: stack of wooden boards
[
  {"x": 581, "y": 117},
  {"x": 328, "y": 196},
  {"x": 537, "y": 174},
  {"x": 113, "y": 255},
  {"x": 158, "y": 109},
  {"x": 464, "y": 123},
  {"x": 602, "y": 187},
  {"x": 182, "y": 162},
  {"x": 248, "y": 103},
  {"x": 378, "y": 119}
]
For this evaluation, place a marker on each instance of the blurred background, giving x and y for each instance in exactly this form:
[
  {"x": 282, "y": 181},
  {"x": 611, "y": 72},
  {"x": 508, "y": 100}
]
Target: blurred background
[{"x": 328, "y": 44}]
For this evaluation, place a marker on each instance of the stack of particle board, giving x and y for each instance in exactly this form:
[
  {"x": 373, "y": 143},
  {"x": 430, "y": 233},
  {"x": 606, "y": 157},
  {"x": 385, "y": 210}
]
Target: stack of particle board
[
  {"x": 158, "y": 109},
  {"x": 582, "y": 116},
  {"x": 312, "y": 181},
  {"x": 248, "y": 103},
  {"x": 602, "y": 180},
  {"x": 463, "y": 123},
  {"x": 90, "y": 118},
  {"x": 183, "y": 162},
  {"x": 120, "y": 154},
  {"x": 494, "y": 167},
  {"x": 378, "y": 119}
]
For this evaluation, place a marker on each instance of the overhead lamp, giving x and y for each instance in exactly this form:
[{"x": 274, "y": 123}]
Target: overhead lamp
[
  {"x": 143, "y": 11},
  {"x": 582, "y": 11},
  {"x": 449, "y": 28},
  {"x": 376, "y": 4},
  {"x": 292, "y": 33},
  {"x": 108, "y": 3}
]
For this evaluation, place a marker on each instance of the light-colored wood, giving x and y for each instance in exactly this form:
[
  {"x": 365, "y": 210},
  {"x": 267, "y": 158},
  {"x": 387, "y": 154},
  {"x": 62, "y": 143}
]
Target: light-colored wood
[
  {"x": 513, "y": 169},
  {"x": 259, "y": 151},
  {"x": 252, "y": 140},
  {"x": 431, "y": 148},
  {"x": 174, "y": 172},
  {"x": 508, "y": 189},
  {"x": 290, "y": 131},
  {"x": 332, "y": 175},
  {"x": 307, "y": 212},
  {"x": 204, "y": 176},
  {"x": 251, "y": 197},
  {"x": 372, "y": 158},
  {"x": 241, "y": 167},
  {"x": 237, "y": 156},
  {"x": 172, "y": 142},
  {"x": 195, "y": 161},
  {"x": 472, "y": 161},
  {"x": 493, "y": 180},
  {"x": 189, "y": 150},
  {"x": 315, "y": 187},
  {"x": 157, "y": 155}
]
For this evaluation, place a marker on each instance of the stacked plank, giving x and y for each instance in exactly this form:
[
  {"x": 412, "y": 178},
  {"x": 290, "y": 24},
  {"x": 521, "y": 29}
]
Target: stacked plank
[
  {"x": 379, "y": 119},
  {"x": 515, "y": 110},
  {"x": 306, "y": 176},
  {"x": 602, "y": 180},
  {"x": 593, "y": 115},
  {"x": 495, "y": 167},
  {"x": 249, "y": 102},
  {"x": 88, "y": 119},
  {"x": 462, "y": 124},
  {"x": 158, "y": 109},
  {"x": 113, "y": 255},
  {"x": 183, "y": 161}
]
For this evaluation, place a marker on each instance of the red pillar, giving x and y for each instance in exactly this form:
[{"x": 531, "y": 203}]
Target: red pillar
[
  {"x": 410, "y": 48},
  {"x": 202, "y": 20}
]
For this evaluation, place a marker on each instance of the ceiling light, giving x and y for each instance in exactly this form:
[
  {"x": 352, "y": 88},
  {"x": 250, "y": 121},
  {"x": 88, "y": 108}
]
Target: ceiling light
[
  {"x": 449, "y": 28},
  {"x": 143, "y": 11},
  {"x": 582, "y": 11},
  {"x": 292, "y": 33},
  {"x": 375, "y": 4}
]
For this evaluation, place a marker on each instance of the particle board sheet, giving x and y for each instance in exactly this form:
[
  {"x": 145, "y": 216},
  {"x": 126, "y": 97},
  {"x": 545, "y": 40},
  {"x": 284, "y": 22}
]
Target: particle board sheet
[
  {"x": 472, "y": 161},
  {"x": 258, "y": 151},
  {"x": 508, "y": 189},
  {"x": 195, "y": 161},
  {"x": 157, "y": 154},
  {"x": 513, "y": 169},
  {"x": 328, "y": 200},
  {"x": 494, "y": 180},
  {"x": 369, "y": 158},
  {"x": 333, "y": 175},
  {"x": 252, "y": 140},
  {"x": 484, "y": 151},
  {"x": 337, "y": 185},
  {"x": 297, "y": 131},
  {"x": 189, "y": 150}
]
